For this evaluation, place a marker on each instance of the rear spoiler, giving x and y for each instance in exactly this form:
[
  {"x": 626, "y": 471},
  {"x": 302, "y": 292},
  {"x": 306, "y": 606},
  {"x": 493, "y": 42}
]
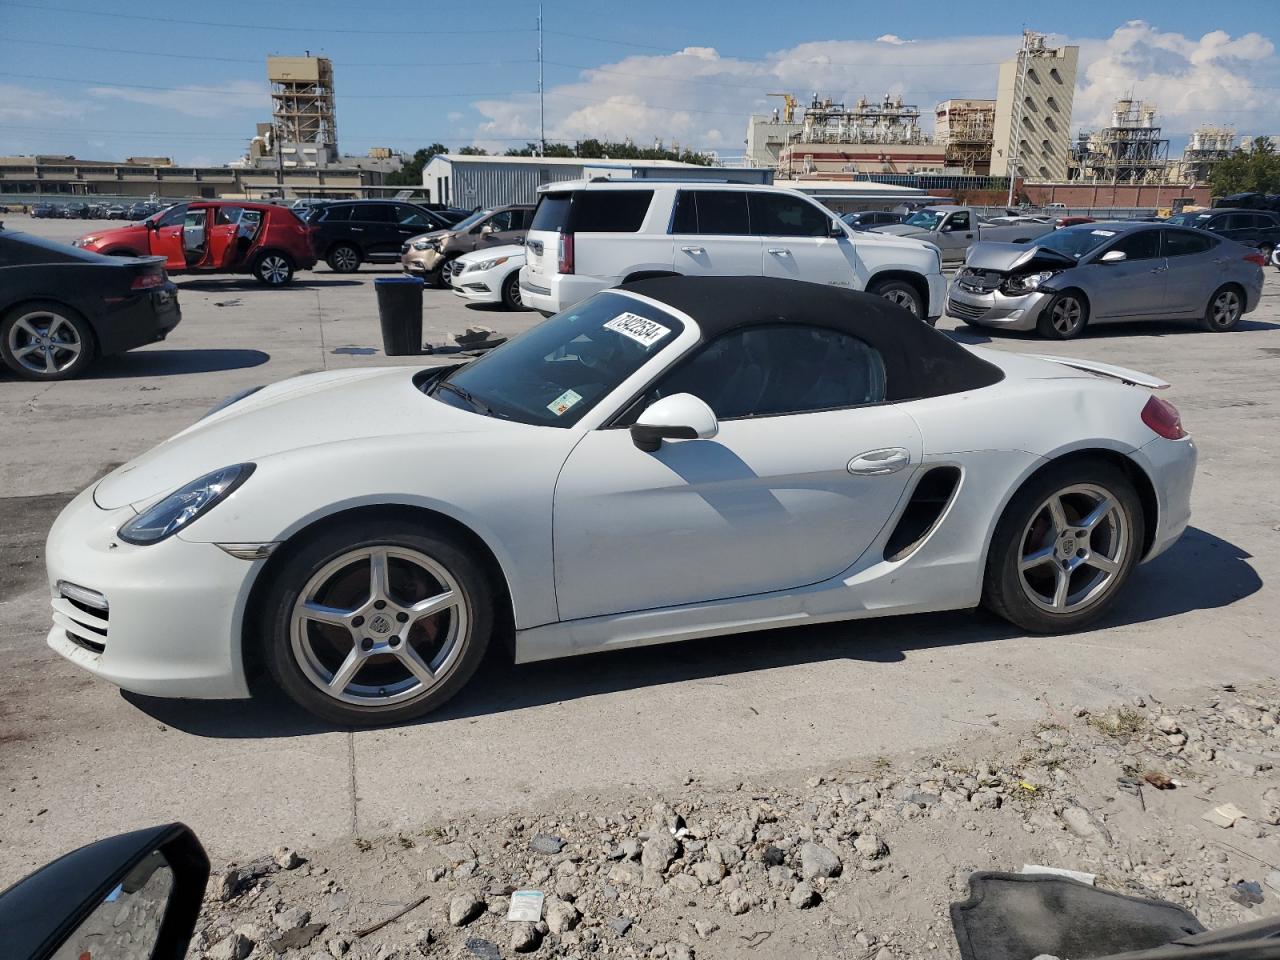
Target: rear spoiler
[{"x": 1134, "y": 378}]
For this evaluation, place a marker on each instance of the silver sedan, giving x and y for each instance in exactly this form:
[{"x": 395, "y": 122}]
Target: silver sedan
[{"x": 1100, "y": 272}]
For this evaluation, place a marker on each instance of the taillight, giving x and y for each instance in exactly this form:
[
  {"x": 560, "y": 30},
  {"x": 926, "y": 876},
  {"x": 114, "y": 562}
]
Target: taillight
[
  {"x": 565, "y": 264},
  {"x": 1163, "y": 417},
  {"x": 1257, "y": 257},
  {"x": 147, "y": 281}
]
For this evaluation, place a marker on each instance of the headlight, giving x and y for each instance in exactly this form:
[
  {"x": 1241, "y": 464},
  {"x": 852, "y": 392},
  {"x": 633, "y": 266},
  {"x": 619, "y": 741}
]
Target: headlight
[
  {"x": 422, "y": 244},
  {"x": 488, "y": 264},
  {"x": 234, "y": 398},
  {"x": 1028, "y": 283},
  {"x": 184, "y": 506},
  {"x": 84, "y": 241}
]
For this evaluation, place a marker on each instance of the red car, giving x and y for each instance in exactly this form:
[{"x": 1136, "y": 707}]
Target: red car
[
  {"x": 1071, "y": 221},
  {"x": 215, "y": 236}
]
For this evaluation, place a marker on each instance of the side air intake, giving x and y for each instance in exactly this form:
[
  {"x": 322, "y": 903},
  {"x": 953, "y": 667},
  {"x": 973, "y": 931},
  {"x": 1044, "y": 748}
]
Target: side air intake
[{"x": 928, "y": 502}]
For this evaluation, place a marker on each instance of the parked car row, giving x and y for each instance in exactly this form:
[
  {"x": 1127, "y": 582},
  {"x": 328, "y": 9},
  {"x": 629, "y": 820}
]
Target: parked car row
[{"x": 82, "y": 210}]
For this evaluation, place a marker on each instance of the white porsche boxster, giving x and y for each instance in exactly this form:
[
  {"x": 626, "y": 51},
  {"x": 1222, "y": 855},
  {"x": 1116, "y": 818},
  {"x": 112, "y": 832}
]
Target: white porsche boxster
[{"x": 679, "y": 457}]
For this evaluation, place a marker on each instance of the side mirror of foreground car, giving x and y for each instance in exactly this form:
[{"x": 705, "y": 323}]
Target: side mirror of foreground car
[
  {"x": 681, "y": 416},
  {"x": 134, "y": 895},
  {"x": 1113, "y": 256}
]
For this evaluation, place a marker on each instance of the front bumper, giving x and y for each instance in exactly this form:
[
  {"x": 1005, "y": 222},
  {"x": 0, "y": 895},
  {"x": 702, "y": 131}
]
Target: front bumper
[
  {"x": 421, "y": 261},
  {"x": 937, "y": 296},
  {"x": 172, "y": 627},
  {"x": 995, "y": 308}
]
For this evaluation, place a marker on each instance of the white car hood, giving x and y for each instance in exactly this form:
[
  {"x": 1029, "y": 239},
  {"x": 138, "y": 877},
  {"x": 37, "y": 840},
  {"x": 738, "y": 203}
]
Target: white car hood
[
  {"x": 322, "y": 408},
  {"x": 509, "y": 250}
]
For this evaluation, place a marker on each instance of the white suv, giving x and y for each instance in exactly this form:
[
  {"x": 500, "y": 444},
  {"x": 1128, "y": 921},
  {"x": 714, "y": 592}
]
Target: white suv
[{"x": 590, "y": 235}]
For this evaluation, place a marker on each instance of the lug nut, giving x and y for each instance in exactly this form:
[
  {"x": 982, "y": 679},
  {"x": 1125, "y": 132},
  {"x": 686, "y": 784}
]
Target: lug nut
[
  {"x": 402, "y": 617},
  {"x": 379, "y": 604},
  {"x": 394, "y": 642},
  {"x": 357, "y": 621},
  {"x": 366, "y": 644}
]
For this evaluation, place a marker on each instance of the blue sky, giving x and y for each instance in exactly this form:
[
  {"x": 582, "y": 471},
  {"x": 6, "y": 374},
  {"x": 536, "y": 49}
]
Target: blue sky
[{"x": 140, "y": 79}]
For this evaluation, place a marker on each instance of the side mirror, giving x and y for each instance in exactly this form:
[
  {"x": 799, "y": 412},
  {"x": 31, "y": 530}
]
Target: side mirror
[
  {"x": 489, "y": 228},
  {"x": 137, "y": 893},
  {"x": 1113, "y": 256},
  {"x": 945, "y": 228},
  {"x": 836, "y": 229},
  {"x": 681, "y": 416}
]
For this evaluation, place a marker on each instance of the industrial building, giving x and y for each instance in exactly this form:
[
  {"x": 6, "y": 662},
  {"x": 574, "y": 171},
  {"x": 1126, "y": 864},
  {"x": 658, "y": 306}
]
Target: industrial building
[
  {"x": 870, "y": 137},
  {"x": 303, "y": 131},
  {"x": 1131, "y": 150},
  {"x": 1207, "y": 146},
  {"x": 471, "y": 181},
  {"x": 1032, "y": 135},
  {"x": 966, "y": 130}
]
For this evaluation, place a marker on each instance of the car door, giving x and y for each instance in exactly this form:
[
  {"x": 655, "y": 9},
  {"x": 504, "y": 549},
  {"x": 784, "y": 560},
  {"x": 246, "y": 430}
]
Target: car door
[
  {"x": 955, "y": 235},
  {"x": 166, "y": 238},
  {"x": 374, "y": 227},
  {"x": 1196, "y": 268},
  {"x": 1132, "y": 287},
  {"x": 222, "y": 237},
  {"x": 796, "y": 239},
  {"x": 498, "y": 229},
  {"x": 711, "y": 235},
  {"x": 806, "y": 470}
]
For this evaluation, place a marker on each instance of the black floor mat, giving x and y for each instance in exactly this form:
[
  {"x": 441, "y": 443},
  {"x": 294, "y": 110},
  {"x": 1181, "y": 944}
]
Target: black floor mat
[{"x": 1011, "y": 916}]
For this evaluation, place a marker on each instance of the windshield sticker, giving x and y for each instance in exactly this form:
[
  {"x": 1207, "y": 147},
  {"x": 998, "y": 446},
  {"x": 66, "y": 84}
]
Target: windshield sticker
[
  {"x": 1103, "y": 233},
  {"x": 637, "y": 328},
  {"x": 562, "y": 403}
]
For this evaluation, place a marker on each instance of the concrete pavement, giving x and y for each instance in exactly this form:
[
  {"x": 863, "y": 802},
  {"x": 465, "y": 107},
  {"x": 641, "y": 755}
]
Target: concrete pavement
[{"x": 79, "y": 760}]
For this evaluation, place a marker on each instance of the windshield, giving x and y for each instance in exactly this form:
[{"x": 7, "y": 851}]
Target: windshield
[
  {"x": 558, "y": 371},
  {"x": 471, "y": 221},
  {"x": 1075, "y": 241},
  {"x": 1189, "y": 219},
  {"x": 925, "y": 219}
]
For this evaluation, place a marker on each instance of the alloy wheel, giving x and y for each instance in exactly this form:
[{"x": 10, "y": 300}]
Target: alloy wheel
[
  {"x": 1225, "y": 310},
  {"x": 44, "y": 342},
  {"x": 345, "y": 260},
  {"x": 902, "y": 299},
  {"x": 379, "y": 625},
  {"x": 1066, "y": 316},
  {"x": 446, "y": 273},
  {"x": 1074, "y": 548},
  {"x": 274, "y": 269}
]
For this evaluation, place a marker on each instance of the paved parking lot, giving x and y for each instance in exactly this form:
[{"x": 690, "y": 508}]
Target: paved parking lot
[{"x": 80, "y": 760}]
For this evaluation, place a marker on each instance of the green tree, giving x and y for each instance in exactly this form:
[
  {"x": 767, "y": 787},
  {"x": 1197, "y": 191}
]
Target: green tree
[
  {"x": 1251, "y": 171},
  {"x": 593, "y": 149},
  {"x": 474, "y": 152},
  {"x": 410, "y": 175}
]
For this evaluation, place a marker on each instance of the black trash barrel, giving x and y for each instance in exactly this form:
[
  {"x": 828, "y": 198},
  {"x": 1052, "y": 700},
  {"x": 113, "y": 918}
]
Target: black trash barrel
[{"x": 400, "y": 314}]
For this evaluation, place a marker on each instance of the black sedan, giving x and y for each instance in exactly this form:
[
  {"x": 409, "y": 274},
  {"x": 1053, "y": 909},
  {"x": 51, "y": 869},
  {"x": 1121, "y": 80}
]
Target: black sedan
[{"x": 60, "y": 307}]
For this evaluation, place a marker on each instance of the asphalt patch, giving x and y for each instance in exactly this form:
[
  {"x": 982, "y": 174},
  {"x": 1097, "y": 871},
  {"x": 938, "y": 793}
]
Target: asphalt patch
[{"x": 24, "y": 525}]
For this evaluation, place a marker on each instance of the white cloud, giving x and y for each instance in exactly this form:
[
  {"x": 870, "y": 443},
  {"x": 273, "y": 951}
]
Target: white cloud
[
  {"x": 25, "y": 105},
  {"x": 703, "y": 99},
  {"x": 196, "y": 100}
]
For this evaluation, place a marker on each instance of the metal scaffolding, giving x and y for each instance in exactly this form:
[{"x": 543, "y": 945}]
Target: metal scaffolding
[
  {"x": 889, "y": 121},
  {"x": 967, "y": 129},
  {"x": 1207, "y": 146},
  {"x": 1130, "y": 151},
  {"x": 302, "y": 101}
]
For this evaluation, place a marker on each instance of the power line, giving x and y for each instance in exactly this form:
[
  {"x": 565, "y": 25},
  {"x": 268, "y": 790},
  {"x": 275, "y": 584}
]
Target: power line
[{"x": 256, "y": 27}]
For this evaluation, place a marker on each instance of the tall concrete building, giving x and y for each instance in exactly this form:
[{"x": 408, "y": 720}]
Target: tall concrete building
[
  {"x": 303, "y": 131},
  {"x": 1032, "y": 136}
]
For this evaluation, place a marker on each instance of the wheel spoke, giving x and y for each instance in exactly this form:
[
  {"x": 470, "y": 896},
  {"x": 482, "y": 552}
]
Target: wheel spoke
[
  {"x": 324, "y": 614},
  {"x": 1057, "y": 515},
  {"x": 1036, "y": 558},
  {"x": 1061, "y": 586},
  {"x": 415, "y": 664},
  {"x": 27, "y": 328},
  {"x": 1097, "y": 514},
  {"x": 1105, "y": 564},
  {"x": 26, "y": 351},
  {"x": 433, "y": 605},
  {"x": 379, "y": 575},
  {"x": 343, "y": 676},
  {"x": 56, "y": 324},
  {"x": 49, "y": 365}
]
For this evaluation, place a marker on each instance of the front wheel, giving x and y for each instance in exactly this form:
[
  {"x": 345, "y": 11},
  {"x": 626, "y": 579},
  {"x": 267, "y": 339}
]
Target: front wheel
[
  {"x": 273, "y": 269},
  {"x": 511, "y": 291},
  {"x": 343, "y": 258},
  {"x": 1064, "y": 317},
  {"x": 377, "y": 622},
  {"x": 900, "y": 293},
  {"x": 1064, "y": 547},
  {"x": 45, "y": 341},
  {"x": 446, "y": 273},
  {"x": 1224, "y": 311}
]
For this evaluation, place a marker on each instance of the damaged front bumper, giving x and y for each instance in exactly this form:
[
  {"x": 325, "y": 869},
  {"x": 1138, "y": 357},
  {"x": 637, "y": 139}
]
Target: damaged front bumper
[{"x": 994, "y": 308}]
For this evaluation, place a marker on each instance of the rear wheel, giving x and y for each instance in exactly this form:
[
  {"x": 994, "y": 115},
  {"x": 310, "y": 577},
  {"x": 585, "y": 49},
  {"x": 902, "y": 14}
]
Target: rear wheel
[
  {"x": 273, "y": 269},
  {"x": 511, "y": 291},
  {"x": 45, "y": 341},
  {"x": 1064, "y": 547},
  {"x": 377, "y": 622},
  {"x": 1224, "y": 311},
  {"x": 343, "y": 258},
  {"x": 900, "y": 293},
  {"x": 1064, "y": 317}
]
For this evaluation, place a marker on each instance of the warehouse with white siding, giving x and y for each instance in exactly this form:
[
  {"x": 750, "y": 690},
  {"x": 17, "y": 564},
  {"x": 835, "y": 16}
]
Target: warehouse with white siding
[{"x": 467, "y": 181}]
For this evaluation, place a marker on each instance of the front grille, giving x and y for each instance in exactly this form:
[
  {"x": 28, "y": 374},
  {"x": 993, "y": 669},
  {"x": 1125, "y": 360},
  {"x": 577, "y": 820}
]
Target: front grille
[
  {"x": 82, "y": 614},
  {"x": 979, "y": 281},
  {"x": 965, "y": 311}
]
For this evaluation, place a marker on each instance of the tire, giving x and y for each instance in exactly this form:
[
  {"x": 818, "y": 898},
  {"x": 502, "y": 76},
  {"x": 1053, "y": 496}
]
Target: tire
[
  {"x": 1224, "y": 310},
  {"x": 273, "y": 268},
  {"x": 344, "y": 258},
  {"x": 446, "y": 273},
  {"x": 901, "y": 293},
  {"x": 1064, "y": 317},
  {"x": 46, "y": 341},
  {"x": 304, "y": 655},
  {"x": 1275, "y": 257},
  {"x": 1031, "y": 595},
  {"x": 511, "y": 292}
]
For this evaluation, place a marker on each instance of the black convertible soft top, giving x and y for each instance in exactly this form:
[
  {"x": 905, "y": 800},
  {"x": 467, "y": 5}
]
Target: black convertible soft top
[{"x": 919, "y": 360}]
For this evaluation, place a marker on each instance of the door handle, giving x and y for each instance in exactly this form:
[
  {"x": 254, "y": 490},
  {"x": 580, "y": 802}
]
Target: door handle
[
  {"x": 697, "y": 251},
  {"x": 968, "y": 236},
  {"x": 878, "y": 463},
  {"x": 780, "y": 251},
  {"x": 357, "y": 229}
]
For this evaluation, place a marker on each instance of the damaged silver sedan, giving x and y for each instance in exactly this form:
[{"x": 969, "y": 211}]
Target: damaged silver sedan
[{"x": 1100, "y": 272}]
